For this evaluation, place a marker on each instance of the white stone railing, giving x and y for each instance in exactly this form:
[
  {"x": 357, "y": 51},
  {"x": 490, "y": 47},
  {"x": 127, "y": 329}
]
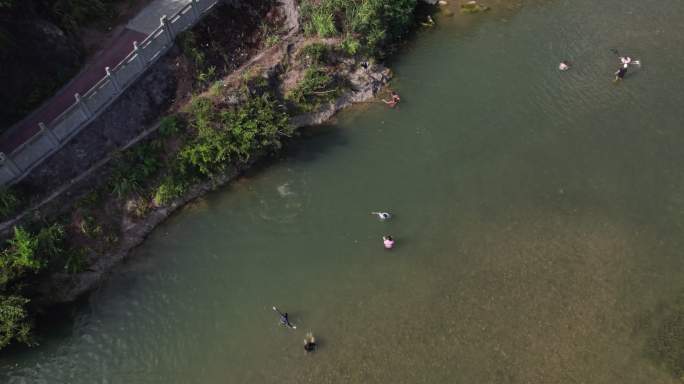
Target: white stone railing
[{"x": 54, "y": 134}]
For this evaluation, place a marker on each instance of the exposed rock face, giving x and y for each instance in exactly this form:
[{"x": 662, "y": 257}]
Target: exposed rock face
[
  {"x": 38, "y": 49},
  {"x": 365, "y": 84}
]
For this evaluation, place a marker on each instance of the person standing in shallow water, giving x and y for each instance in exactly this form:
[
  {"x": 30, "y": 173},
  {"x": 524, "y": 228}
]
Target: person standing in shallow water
[
  {"x": 388, "y": 242},
  {"x": 394, "y": 99},
  {"x": 309, "y": 342},
  {"x": 621, "y": 72}
]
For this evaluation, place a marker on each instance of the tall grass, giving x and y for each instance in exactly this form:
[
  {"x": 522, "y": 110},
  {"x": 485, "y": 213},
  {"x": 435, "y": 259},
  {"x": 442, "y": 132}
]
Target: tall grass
[{"x": 376, "y": 24}]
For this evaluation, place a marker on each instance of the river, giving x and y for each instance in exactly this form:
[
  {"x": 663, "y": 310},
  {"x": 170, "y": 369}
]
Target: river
[{"x": 538, "y": 216}]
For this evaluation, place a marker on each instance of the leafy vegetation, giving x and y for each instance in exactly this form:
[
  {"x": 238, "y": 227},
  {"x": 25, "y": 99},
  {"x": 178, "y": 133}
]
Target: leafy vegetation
[
  {"x": 316, "y": 88},
  {"x": 15, "y": 324},
  {"x": 270, "y": 33},
  {"x": 170, "y": 126},
  {"x": 24, "y": 253},
  {"x": 170, "y": 188},
  {"x": 135, "y": 167},
  {"x": 374, "y": 24},
  {"x": 196, "y": 52},
  {"x": 8, "y": 202},
  {"x": 316, "y": 54},
  {"x": 232, "y": 136},
  {"x": 75, "y": 261},
  {"x": 350, "y": 45},
  {"x": 29, "y": 253}
]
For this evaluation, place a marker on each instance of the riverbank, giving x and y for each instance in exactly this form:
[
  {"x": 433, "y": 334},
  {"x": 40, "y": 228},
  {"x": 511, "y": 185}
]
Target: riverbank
[{"x": 218, "y": 127}]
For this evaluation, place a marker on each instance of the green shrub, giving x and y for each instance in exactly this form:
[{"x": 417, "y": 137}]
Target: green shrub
[
  {"x": 90, "y": 200},
  {"x": 202, "y": 113},
  {"x": 231, "y": 136},
  {"x": 190, "y": 47},
  {"x": 50, "y": 241},
  {"x": 123, "y": 186},
  {"x": 350, "y": 45},
  {"x": 376, "y": 23},
  {"x": 22, "y": 250},
  {"x": 26, "y": 252},
  {"x": 316, "y": 87},
  {"x": 170, "y": 126},
  {"x": 89, "y": 227},
  {"x": 272, "y": 40},
  {"x": 316, "y": 54},
  {"x": 324, "y": 23},
  {"x": 15, "y": 324},
  {"x": 204, "y": 77},
  {"x": 134, "y": 168},
  {"x": 76, "y": 260},
  {"x": 8, "y": 202},
  {"x": 169, "y": 189}
]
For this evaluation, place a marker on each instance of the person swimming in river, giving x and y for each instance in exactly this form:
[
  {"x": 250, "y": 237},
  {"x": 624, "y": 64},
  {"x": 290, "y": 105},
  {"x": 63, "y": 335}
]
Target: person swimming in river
[
  {"x": 429, "y": 22},
  {"x": 621, "y": 72},
  {"x": 309, "y": 342},
  {"x": 563, "y": 66},
  {"x": 382, "y": 215},
  {"x": 388, "y": 242},
  {"x": 284, "y": 319},
  {"x": 625, "y": 62},
  {"x": 394, "y": 99}
]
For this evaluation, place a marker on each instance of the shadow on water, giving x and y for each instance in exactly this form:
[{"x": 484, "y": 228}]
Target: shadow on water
[{"x": 314, "y": 143}]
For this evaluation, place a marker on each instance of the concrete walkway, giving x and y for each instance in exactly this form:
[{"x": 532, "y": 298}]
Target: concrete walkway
[
  {"x": 148, "y": 19},
  {"x": 137, "y": 29}
]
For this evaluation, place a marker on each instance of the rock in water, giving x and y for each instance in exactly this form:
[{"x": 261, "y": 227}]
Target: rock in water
[{"x": 473, "y": 7}]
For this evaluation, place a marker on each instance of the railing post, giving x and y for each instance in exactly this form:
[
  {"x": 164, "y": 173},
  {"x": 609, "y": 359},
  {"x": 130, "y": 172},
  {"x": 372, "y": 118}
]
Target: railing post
[
  {"x": 195, "y": 9},
  {"x": 139, "y": 56},
  {"x": 166, "y": 26},
  {"x": 51, "y": 136},
  {"x": 87, "y": 113},
  {"x": 5, "y": 160},
  {"x": 112, "y": 79}
]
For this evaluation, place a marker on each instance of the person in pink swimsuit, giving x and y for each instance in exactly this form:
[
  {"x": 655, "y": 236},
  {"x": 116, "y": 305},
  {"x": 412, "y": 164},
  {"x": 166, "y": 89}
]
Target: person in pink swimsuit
[{"x": 388, "y": 241}]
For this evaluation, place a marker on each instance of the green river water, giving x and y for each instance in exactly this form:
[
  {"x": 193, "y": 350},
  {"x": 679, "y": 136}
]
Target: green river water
[{"x": 538, "y": 217}]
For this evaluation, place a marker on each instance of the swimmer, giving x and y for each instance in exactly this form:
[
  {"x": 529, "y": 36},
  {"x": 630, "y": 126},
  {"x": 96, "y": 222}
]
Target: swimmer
[
  {"x": 626, "y": 60},
  {"x": 382, "y": 215},
  {"x": 284, "y": 319},
  {"x": 429, "y": 22},
  {"x": 563, "y": 66},
  {"x": 388, "y": 241},
  {"x": 621, "y": 72},
  {"x": 394, "y": 99},
  {"x": 309, "y": 342}
]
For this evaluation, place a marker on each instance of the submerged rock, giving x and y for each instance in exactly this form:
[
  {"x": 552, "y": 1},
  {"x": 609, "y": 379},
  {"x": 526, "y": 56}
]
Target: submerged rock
[{"x": 473, "y": 7}]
